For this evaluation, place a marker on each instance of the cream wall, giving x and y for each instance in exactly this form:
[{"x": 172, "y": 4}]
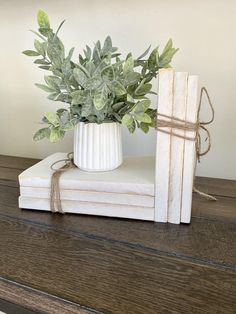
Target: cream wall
[{"x": 204, "y": 31}]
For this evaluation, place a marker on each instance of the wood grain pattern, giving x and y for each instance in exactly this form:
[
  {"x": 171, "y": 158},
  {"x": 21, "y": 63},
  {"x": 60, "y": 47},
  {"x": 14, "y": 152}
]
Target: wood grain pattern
[
  {"x": 17, "y": 162},
  {"x": 7, "y": 307},
  {"x": 128, "y": 280},
  {"x": 209, "y": 237},
  {"x": 9, "y": 176},
  {"x": 217, "y": 187},
  {"x": 37, "y": 300}
]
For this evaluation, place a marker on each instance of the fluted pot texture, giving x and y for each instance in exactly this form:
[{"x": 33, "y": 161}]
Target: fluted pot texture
[{"x": 98, "y": 147}]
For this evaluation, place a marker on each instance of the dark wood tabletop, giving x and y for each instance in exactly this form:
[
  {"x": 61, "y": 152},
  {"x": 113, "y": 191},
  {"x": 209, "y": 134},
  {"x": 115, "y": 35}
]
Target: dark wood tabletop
[{"x": 52, "y": 263}]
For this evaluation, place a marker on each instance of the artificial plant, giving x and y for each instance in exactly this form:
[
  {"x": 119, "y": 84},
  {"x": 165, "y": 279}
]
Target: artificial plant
[{"x": 99, "y": 87}]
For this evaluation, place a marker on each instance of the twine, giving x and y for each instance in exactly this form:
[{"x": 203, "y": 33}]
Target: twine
[
  {"x": 55, "y": 196},
  {"x": 176, "y": 123},
  {"x": 172, "y": 122}
]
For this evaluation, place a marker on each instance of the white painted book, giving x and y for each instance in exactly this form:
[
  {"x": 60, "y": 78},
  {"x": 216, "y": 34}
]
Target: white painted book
[
  {"x": 91, "y": 208},
  {"x": 135, "y": 176},
  {"x": 91, "y": 196}
]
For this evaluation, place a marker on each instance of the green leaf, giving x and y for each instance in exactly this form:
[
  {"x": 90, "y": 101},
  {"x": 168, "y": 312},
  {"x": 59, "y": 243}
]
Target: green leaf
[
  {"x": 45, "y": 67},
  {"x": 114, "y": 55},
  {"x": 43, "y": 20},
  {"x": 53, "y": 96},
  {"x": 132, "y": 78},
  {"x": 56, "y": 135},
  {"x": 59, "y": 27},
  {"x": 127, "y": 119},
  {"x": 87, "y": 108},
  {"x": 152, "y": 60},
  {"x": 130, "y": 98},
  {"x": 128, "y": 65},
  {"x": 108, "y": 73},
  {"x": 144, "y": 54},
  {"x": 97, "y": 53},
  {"x": 53, "y": 82},
  {"x": 167, "y": 55},
  {"x": 70, "y": 53},
  {"x": 45, "y": 88},
  {"x": 117, "y": 88},
  {"x": 31, "y": 53},
  {"x": 90, "y": 66},
  {"x": 144, "y": 69},
  {"x": 168, "y": 46},
  {"x": 78, "y": 97},
  {"x": 55, "y": 51},
  {"x": 52, "y": 118},
  {"x": 41, "y": 61},
  {"x": 143, "y": 117},
  {"x": 40, "y": 47},
  {"x": 144, "y": 127},
  {"x": 117, "y": 116},
  {"x": 107, "y": 47},
  {"x": 131, "y": 127},
  {"x": 143, "y": 89},
  {"x": 93, "y": 83},
  {"x": 88, "y": 52},
  {"x": 81, "y": 67},
  {"x": 45, "y": 31},
  {"x": 80, "y": 76},
  {"x": 40, "y": 134},
  {"x": 117, "y": 106},
  {"x": 142, "y": 106},
  {"x": 63, "y": 115},
  {"x": 100, "y": 99},
  {"x": 68, "y": 126}
]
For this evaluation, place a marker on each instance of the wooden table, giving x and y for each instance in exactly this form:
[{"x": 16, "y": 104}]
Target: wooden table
[{"x": 55, "y": 263}]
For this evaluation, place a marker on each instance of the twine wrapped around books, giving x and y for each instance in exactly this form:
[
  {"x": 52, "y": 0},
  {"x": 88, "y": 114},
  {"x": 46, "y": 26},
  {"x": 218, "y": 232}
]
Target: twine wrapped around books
[
  {"x": 55, "y": 197},
  {"x": 172, "y": 123},
  {"x": 176, "y": 123}
]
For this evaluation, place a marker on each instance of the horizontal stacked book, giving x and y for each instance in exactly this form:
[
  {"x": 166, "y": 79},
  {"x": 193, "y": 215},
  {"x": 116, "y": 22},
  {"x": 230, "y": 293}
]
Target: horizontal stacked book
[{"x": 126, "y": 192}]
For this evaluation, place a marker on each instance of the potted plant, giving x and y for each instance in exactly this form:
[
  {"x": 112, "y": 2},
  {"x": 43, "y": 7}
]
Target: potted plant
[{"x": 102, "y": 91}]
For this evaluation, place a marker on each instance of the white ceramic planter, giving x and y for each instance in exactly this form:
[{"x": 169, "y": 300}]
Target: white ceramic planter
[{"x": 98, "y": 147}]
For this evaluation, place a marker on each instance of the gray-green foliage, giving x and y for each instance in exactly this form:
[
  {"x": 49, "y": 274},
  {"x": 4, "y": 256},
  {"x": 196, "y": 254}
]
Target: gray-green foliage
[{"x": 100, "y": 87}]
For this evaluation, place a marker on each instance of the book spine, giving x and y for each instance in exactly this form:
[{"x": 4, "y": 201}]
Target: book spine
[
  {"x": 165, "y": 101},
  {"x": 189, "y": 150},
  {"x": 177, "y": 148}
]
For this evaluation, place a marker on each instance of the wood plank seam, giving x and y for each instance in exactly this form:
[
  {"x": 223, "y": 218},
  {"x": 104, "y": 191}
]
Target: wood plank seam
[
  {"x": 144, "y": 248},
  {"x": 43, "y": 294}
]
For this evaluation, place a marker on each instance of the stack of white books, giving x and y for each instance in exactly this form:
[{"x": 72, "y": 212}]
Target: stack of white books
[{"x": 126, "y": 192}]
